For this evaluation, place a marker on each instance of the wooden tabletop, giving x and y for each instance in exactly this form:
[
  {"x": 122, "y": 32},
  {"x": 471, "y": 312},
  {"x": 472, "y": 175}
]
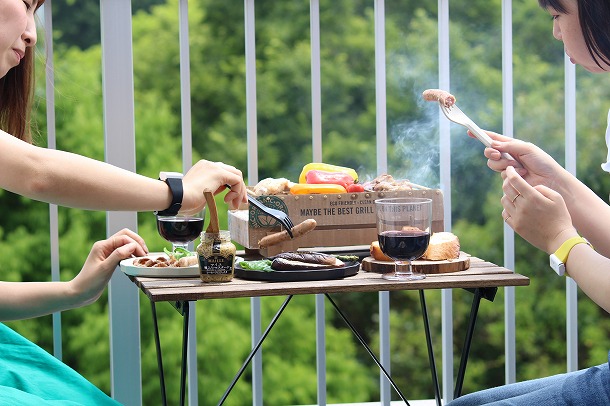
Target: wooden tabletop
[{"x": 481, "y": 274}]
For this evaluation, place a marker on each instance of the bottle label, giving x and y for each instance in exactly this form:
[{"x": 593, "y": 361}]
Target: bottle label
[{"x": 216, "y": 264}]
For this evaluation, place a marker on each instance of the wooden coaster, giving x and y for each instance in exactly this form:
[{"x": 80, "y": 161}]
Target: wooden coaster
[{"x": 370, "y": 264}]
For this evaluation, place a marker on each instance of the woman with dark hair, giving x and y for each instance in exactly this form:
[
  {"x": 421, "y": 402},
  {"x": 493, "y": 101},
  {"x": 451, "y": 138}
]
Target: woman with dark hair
[
  {"x": 59, "y": 177},
  {"x": 28, "y": 374},
  {"x": 557, "y": 213}
]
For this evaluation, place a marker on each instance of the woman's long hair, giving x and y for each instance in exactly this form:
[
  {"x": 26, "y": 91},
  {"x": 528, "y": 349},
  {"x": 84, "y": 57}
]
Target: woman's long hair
[
  {"x": 16, "y": 94},
  {"x": 594, "y": 16}
]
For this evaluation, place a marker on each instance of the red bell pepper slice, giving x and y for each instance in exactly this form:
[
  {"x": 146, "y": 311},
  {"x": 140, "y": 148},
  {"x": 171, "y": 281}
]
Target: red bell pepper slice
[
  {"x": 338, "y": 178},
  {"x": 355, "y": 188}
]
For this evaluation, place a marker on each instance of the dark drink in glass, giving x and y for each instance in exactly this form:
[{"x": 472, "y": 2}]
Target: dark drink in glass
[
  {"x": 404, "y": 245},
  {"x": 179, "y": 230}
]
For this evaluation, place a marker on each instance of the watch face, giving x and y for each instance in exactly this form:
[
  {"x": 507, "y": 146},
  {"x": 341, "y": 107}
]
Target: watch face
[{"x": 166, "y": 175}]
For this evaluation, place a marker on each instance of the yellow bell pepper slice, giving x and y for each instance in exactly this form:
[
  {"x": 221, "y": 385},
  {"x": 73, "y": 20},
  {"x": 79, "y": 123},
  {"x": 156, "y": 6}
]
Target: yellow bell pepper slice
[{"x": 316, "y": 188}]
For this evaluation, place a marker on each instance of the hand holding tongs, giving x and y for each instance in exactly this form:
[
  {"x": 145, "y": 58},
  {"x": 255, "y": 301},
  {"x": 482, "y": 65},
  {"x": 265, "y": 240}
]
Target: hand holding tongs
[{"x": 279, "y": 215}]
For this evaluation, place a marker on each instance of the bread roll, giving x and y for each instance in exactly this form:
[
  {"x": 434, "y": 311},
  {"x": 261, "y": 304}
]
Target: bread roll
[
  {"x": 377, "y": 253},
  {"x": 443, "y": 245}
]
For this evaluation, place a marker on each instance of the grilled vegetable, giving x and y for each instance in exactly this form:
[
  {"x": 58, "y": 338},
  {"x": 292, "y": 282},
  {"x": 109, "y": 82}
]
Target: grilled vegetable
[
  {"x": 316, "y": 176},
  {"x": 305, "y": 189},
  {"x": 288, "y": 261},
  {"x": 348, "y": 258},
  {"x": 355, "y": 188},
  {"x": 311, "y": 257},
  {"x": 281, "y": 264},
  {"x": 328, "y": 168}
]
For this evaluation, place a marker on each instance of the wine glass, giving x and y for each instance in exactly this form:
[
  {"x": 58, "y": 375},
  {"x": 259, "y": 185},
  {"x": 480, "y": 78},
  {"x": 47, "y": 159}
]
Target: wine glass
[
  {"x": 181, "y": 229},
  {"x": 403, "y": 230}
]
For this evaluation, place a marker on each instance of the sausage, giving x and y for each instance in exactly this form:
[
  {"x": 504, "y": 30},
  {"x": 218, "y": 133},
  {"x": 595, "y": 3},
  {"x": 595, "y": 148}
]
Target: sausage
[
  {"x": 297, "y": 231},
  {"x": 164, "y": 262},
  {"x": 148, "y": 262},
  {"x": 443, "y": 97}
]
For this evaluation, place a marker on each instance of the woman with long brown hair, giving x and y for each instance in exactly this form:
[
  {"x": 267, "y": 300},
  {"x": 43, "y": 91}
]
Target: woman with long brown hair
[{"x": 28, "y": 374}]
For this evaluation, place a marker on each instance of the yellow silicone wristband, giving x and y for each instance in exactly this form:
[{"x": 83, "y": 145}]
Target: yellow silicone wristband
[{"x": 563, "y": 252}]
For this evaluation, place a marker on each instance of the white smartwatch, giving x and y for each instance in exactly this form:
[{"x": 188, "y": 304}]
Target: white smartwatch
[{"x": 560, "y": 257}]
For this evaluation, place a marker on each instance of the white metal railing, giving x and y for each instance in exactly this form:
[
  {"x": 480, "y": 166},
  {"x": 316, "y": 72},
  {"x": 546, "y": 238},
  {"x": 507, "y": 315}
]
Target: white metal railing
[
  {"x": 118, "y": 85},
  {"x": 445, "y": 178},
  {"x": 119, "y": 139},
  {"x": 570, "y": 141},
  {"x": 510, "y": 365},
  {"x": 51, "y": 141}
]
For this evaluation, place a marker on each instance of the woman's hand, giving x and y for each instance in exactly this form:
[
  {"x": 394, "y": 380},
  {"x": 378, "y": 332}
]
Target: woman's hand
[
  {"x": 103, "y": 259},
  {"x": 539, "y": 168},
  {"x": 537, "y": 213},
  {"x": 212, "y": 177},
  {"x": 23, "y": 300}
]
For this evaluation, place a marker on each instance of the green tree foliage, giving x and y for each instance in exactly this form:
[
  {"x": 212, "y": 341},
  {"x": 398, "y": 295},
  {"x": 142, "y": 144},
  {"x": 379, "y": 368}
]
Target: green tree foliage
[
  {"x": 283, "y": 69},
  {"x": 78, "y": 23}
]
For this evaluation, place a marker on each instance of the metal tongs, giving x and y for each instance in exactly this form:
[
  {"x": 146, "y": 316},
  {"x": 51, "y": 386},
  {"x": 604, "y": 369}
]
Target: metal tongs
[{"x": 279, "y": 215}]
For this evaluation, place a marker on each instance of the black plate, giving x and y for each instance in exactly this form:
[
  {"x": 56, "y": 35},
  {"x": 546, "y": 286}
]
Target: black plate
[{"x": 350, "y": 269}]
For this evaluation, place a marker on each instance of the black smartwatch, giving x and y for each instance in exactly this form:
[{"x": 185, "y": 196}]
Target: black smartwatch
[{"x": 174, "y": 181}]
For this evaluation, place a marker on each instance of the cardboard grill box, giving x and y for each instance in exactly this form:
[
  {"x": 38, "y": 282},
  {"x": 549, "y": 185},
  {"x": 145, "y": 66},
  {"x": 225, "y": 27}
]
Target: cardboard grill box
[{"x": 343, "y": 219}]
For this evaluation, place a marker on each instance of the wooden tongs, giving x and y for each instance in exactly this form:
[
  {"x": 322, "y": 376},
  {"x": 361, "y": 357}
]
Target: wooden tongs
[{"x": 213, "y": 226}]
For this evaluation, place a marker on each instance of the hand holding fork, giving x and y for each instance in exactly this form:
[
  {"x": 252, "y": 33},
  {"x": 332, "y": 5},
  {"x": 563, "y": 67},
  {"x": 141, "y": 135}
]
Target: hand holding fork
[{"x": 279, "y": 215}]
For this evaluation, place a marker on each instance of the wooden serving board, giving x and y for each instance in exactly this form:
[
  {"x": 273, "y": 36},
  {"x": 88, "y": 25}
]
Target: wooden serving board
[{"x": 370, "y": 264}]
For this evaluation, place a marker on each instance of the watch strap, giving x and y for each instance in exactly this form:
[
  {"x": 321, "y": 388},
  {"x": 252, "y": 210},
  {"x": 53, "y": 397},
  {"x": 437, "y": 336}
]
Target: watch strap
[
  {"x": 175, "y": 186},
  {"x": 563, "y": 251}
]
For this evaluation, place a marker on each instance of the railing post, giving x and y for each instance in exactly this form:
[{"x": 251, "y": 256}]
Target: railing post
[
  {"x": 119, "y": 138},
  {"x": 509, "y": 235},
  {"x": 444, "y": 64},
  {"x": 570, "y": 154}
]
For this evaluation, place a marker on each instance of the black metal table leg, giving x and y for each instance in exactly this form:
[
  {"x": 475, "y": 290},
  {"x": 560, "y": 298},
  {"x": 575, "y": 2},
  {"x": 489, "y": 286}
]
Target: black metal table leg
[
  {"x": 185, "y": 339},
  {"x": 255, "y": 349},
  {"x": 368, "y": 349},
  {"x": 183, "y": 308},
  {"x": 479, "y": 293},
  {"x": 431, "y": 360},
  {"x": 159, "y": 357}
]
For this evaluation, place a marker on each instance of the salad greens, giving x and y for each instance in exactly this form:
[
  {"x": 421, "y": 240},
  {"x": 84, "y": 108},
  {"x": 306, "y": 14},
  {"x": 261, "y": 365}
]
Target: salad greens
[
  {"x": 179, "y": 253},
  {"x": 260, "y": 265}
]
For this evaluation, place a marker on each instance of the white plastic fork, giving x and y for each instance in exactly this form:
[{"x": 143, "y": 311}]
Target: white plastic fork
[{"x": 453, "y": 113}]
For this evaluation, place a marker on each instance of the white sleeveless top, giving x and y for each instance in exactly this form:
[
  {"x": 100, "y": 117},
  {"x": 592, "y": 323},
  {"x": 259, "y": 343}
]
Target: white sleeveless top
[{"x": 606, "y": 165}]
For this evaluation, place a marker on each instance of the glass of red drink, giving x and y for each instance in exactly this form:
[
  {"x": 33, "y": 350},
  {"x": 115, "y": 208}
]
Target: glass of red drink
[
  {"x": 403, "y": 230},
  {"x": 181, "y": 229}
]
